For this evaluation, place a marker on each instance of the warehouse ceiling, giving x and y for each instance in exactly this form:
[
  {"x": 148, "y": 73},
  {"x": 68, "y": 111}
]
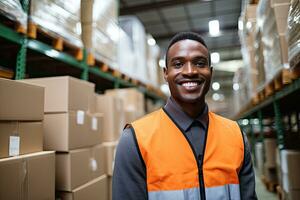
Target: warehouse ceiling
[{"x": 164, "y": 18}]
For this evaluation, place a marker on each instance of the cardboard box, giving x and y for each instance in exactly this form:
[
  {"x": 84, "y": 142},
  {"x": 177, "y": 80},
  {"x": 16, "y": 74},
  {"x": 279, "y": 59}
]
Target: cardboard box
[
  {"x": 110, "y": 153},
  {"x": 78, "y": 167},
  {"x": 17, "y": 138},
  {"x": 71, "y": 130},
  {"x": 96, "y": 189},
  {"x": 65, "y": 93},
  {"x": 16, "y": 104},
  {"x": 290, "y": 162},
  {"x": 28, "y": 176},
  {"x": 114, "y": 117},
  {"x": 132, "y": 98},
  {"x": 270, "y": 152},
  {"x": 95, "y": 127}
]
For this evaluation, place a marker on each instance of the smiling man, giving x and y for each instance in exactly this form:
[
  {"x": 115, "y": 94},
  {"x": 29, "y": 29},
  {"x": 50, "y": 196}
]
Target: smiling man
[{"x": 183, "y": 151}]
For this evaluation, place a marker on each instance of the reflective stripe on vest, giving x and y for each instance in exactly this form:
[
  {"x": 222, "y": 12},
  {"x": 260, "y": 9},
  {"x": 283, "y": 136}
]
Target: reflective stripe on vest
[
  {"x": 171, "y": 166},
  {"x": 225, "y": 192}
]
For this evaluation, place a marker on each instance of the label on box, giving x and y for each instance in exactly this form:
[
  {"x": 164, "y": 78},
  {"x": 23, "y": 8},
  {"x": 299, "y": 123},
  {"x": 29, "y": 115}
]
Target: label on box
[
  {"x": 94, "y": 123},
  {"x": 14, "y": 146},
  {"x": 93, "y": 164},
  {"x": 80, "y": 117}
]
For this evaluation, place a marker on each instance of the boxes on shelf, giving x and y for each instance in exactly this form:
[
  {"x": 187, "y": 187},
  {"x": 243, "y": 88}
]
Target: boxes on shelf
[
  {"x": 17, "y": 138},
  {"x": 113, "y": 111},
  {"x": 100, "y": 33},
  {"x": 16, "y": 104},
  {"x": 14, "y": 11},
  {"x": 77, "y": 167},
  {"x": 64, "y": 93},
  {"x": 71, "y": 130},
  {"x": 30, "y": 176},
  {"x": 272, "y": 18},
  {"x": 290, "y": 162},
  {"x": 132, "y": 98},
  {"x": 95, "y": 189},
  {"x": 259, "y": 157},
  {"x": 57, "y": 18},
  {"x": 110, "y": 152},
  {"x": 136, "y": 32},
  {"x": 293, "y": 34},
  {"x": 270, "y": 152},
  {"x": 153, "y": 54}
]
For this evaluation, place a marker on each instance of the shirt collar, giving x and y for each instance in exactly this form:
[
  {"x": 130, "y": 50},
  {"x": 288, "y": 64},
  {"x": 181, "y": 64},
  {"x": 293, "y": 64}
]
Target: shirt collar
[{"x": 181, "y": 118}]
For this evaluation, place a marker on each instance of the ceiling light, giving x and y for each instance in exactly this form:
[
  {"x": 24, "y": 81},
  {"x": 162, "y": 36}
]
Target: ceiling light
[
  {"x": 214, "y": 27},
  {"x": 216, "y": 97},
  {"x": 216, "y": 86},
  {"x": 215, "y": 57},
  {"x": 162, "y": 63},
  {"x": 236, "y": 86},
  {"x": 151, "y": 41}
]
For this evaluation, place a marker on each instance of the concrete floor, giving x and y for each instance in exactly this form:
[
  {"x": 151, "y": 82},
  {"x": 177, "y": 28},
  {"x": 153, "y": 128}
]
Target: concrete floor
[{"x": 261, "y": 191}]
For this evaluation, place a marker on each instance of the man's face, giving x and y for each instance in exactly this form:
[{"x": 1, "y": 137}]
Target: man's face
[{"x": 188, "y": 72}]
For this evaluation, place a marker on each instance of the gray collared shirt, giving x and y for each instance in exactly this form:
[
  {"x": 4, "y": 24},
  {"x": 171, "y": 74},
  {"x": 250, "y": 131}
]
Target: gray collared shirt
[{"x": 129, "y": 178}]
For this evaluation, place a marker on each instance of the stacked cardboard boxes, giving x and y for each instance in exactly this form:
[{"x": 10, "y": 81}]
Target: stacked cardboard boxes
[
  {"x": 21, "y": 144},
  {"x": 74, "y": 130},
  {"x": 290, "y": 162},
  {"x": 270, "y": 160},
  {"x": 134, "y": 102}
]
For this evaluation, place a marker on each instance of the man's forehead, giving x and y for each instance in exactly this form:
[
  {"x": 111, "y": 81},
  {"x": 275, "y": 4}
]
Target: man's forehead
[{"x": 186, "y": 46}]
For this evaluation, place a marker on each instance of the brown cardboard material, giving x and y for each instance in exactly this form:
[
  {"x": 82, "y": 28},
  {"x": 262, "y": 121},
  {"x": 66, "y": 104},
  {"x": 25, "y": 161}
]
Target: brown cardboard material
[
  {"x": 95, "y": 128},
  {"x": 281, "y": 12},
  {"x": 29, "y": 177},
  {"x": 67, "y": 131},
  {"x": 17, "y": 138},
  {"x": 96, "y": 189},
  {"x": 16, "y": 104},
  {"x": 113, "y": 112},
  {"x": 78, "y": 167},
  {"x": 270, "y": 152},
  {"x": 132, "y": 98},
  {"x": 110, "y": 152},
  {"x": 65, "y": 93}
]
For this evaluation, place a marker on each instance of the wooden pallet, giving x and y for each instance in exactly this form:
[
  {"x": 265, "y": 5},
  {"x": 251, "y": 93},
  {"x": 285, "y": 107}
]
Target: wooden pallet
[
  {"x": 93, "y": 62},
  {"x": 17, "y": 26},
  {"x": 5, "y": 73},
  {"x": 57, "y": 42},
  {"x": 270, "y": 186}
]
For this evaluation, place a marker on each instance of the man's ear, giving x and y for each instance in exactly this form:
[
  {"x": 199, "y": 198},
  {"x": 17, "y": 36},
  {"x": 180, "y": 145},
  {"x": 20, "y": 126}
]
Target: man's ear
[{"x": 165, "y": 74}]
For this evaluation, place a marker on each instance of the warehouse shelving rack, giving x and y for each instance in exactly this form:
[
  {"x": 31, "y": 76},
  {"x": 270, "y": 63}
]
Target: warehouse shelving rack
[
  {"x": 32, "y": 56},
  {"x": 281, "y": 103}
]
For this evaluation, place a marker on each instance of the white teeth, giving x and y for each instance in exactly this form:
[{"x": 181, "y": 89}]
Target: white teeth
[{"x": 189, "y": 84}]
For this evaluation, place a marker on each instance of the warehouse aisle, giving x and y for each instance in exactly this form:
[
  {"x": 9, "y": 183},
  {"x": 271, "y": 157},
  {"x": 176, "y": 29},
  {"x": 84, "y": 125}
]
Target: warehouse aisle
[{"x": 261, "y": 191}]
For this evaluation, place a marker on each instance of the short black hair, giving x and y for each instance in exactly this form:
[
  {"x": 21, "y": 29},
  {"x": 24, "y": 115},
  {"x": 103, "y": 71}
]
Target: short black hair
[{"x": 187, "y": 36}]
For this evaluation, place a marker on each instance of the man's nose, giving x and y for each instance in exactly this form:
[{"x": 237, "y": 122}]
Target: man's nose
[{"x": 189, "y": 69}]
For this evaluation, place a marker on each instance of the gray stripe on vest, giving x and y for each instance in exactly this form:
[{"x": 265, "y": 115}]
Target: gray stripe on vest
[{"x": 226, "y": 192}]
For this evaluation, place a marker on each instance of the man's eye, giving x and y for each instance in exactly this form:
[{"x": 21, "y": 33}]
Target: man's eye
[
  {"x": 178, "y": 64},
  {"x": 201, "y": 64}
]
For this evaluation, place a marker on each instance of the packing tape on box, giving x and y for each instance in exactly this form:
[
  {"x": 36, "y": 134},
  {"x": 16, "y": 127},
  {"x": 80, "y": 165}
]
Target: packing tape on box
[{"x": 80, "y": 117}]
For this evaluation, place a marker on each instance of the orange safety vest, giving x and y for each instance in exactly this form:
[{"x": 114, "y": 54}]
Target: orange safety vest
[{"x": 172, "y": 169}]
